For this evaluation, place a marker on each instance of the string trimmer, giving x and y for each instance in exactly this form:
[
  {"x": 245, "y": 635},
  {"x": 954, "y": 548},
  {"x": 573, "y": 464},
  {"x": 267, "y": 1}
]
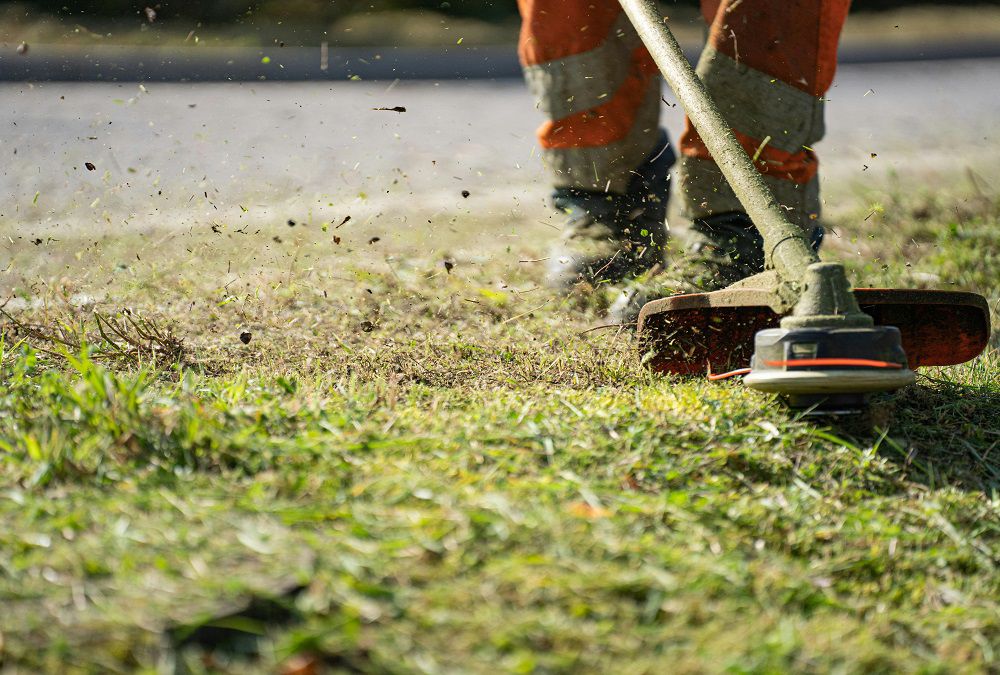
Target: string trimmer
[{"x": 804, "y": 331}]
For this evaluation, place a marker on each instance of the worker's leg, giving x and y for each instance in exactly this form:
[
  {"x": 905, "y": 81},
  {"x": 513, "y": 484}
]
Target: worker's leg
[
  {"x": 593, "y": 79},
  {"x": 767, "y": 64},
  {"x": 609, "y": 161}
]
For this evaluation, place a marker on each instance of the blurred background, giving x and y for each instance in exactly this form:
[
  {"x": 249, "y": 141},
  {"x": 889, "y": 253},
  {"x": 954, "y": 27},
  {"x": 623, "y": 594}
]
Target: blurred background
[
  {"x": 238, "y": 118},
  {"x": 878, "y": 30},
  {"x": 380, "y": 22}
]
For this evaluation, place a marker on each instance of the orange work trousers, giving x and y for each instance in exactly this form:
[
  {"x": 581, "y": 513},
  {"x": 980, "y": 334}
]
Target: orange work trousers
[{"x": 767, "y": 64}]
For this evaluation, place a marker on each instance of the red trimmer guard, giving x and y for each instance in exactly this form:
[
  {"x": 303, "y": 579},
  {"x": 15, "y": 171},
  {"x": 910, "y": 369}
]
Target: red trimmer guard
[{"x": 688, "y": 334}]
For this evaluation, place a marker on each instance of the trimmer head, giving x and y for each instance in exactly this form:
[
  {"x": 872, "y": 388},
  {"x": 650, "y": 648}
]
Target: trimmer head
[{"x": 716, "y": 332}]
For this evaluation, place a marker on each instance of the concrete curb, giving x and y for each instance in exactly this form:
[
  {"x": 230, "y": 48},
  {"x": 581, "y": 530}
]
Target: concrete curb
[{"x": 102, "y": 63}]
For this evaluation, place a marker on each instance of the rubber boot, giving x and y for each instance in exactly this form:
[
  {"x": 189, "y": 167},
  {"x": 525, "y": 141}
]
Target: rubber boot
[{"x": 608, "y": 237}]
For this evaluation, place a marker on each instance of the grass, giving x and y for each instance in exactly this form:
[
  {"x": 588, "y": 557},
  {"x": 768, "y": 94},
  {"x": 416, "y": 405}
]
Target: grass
[{"x": 419, "y": 467}]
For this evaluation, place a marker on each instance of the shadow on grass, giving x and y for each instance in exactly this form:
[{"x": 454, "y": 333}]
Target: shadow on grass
[
  {"x": 236, "y": 635},
  {"x": 943, "y": 434}
]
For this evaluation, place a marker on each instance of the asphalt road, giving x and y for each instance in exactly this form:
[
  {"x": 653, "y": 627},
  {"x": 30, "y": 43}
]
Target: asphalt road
[
  {"x": 121, "y": 63},
  {"x": 183, "y": 155}
]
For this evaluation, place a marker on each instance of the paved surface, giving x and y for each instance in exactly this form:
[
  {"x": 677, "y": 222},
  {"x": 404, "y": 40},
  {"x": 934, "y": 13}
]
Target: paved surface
[
  {"x": 182, "y": 155},
  {"x": 110, "y": 63}
]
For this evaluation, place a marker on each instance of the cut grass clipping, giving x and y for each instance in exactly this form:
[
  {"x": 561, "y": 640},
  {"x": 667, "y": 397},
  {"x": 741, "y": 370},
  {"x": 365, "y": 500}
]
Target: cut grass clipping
[{"x": 389, "y": 466}]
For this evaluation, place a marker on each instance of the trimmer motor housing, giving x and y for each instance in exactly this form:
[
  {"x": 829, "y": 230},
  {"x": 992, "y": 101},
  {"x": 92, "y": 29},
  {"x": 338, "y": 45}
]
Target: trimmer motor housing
[{"x": 829, "y": 368}]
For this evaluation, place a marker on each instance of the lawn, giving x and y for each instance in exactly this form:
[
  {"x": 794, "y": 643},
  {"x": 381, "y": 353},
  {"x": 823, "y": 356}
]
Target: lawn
[{"x": 292, "y": 448}]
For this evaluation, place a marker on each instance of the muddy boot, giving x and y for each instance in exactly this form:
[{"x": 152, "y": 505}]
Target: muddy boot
[
  {"x": 724, "y": 249},
  {"x": 607, "y": 237}
]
